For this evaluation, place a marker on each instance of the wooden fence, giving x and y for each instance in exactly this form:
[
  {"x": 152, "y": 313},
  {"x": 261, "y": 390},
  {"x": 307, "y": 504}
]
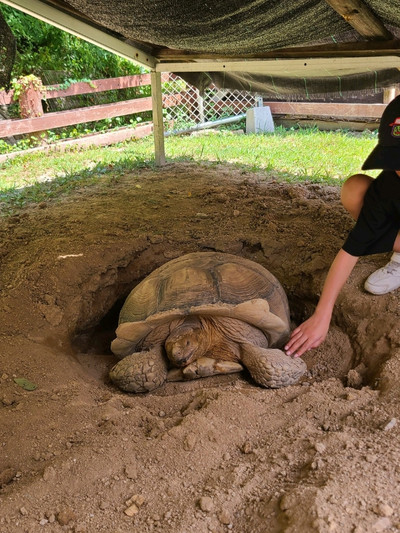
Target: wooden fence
[{"x": 33, "y": 119}]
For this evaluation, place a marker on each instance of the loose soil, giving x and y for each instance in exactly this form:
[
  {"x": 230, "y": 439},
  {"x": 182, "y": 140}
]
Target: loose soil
[{"x": 211, "y": 455}]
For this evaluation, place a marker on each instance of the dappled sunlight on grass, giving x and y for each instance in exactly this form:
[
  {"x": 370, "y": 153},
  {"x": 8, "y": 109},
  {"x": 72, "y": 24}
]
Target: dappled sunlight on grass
[
  {"x": 306, "y": 154},
  {"x": 291, "y": 155}
]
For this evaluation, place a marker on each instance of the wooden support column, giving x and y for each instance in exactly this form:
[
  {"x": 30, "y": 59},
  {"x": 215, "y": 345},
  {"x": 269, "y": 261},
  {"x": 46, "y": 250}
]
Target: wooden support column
[
  {"x": 158, "y": 125},
  {"x": 389, "y": 94}
]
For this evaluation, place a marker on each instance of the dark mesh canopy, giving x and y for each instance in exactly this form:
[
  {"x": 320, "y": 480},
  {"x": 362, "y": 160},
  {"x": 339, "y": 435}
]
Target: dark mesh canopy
[
  {"x": 196, "y": 30},
  {"x": 218, "y": 26},
  {"x": 284, "y": 88},
  {"x": 7, "y": 52},
  {"x": 249, "y": 27},
  {"x": 229, "y": 26}
]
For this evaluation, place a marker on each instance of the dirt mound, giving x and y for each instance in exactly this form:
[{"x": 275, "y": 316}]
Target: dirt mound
[{"x": 212, "y": 455}]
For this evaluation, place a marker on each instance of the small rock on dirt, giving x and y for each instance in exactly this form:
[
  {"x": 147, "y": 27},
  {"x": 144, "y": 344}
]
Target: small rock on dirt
[
  {"x": 190, "y": 442},
  {"x": 247, "y": 447},
  {"x": 65, "y": 516},
  {"x": 383, "y": 509},
  {"x": 137, "y": 499},
  {"x": 224, "y": 517},
  {"x": 131, "y": 510},
  {"x": 49, "y": 473},
  {"x": 390, "y": 425},
  {"x": 354, "y": 379},
  {"x": 287, "y": 501},
  {"x": 156, "y": 239},
  {"x": 381, "y": 525},
  {"x": 6, "y": 476},
  {"x": 206, "y": 504},
  {"x": 131, "y": 471},
  {"x": 319, "y": 447},
  {"x": 51, "y": 517}
]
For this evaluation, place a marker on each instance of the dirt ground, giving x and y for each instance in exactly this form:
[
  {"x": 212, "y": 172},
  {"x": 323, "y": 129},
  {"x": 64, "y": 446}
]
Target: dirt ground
[{"x": 212, "y": 455}]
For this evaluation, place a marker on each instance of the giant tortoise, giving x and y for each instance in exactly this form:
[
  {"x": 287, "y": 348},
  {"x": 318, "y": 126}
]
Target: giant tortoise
[{"x": 201, "y": 314}]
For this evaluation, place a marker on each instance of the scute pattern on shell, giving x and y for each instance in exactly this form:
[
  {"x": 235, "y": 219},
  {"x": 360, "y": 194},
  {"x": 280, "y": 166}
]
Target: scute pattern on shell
[
  {"x": 203, "y": 278},
  {"x": 206, "y": 284}
]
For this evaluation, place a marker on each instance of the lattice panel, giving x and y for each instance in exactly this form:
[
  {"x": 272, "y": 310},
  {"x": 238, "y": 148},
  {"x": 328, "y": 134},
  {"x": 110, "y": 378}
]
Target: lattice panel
[{"x": 184, "y": 107}]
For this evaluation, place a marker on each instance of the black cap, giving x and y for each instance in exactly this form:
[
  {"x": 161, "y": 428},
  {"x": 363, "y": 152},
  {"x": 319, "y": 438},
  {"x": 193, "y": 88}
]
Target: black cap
[{"x": 386, "y": 154}]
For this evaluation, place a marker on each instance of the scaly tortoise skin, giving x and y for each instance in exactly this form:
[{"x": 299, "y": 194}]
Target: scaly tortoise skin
[{"x": 202, "y": 314}]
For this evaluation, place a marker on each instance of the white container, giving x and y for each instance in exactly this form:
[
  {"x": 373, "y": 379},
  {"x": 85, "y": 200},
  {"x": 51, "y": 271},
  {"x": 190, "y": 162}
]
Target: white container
[{"x": 259, "y": 120}]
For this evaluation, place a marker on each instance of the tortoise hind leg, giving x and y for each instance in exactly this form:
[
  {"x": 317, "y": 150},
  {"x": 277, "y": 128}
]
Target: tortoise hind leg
[
  {"x": 140, "y": 371},
  {"x": 270, "y": 367}
]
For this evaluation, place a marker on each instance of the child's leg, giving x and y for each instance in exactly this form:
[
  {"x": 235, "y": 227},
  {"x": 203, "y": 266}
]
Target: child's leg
[
  {"x": 353, "y": 192},
  {"x": 396, "y": 246}
]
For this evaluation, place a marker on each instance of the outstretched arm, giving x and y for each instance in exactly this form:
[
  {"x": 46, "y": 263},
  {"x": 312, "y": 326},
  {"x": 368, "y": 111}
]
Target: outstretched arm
[{"x": 313, "y": 331}]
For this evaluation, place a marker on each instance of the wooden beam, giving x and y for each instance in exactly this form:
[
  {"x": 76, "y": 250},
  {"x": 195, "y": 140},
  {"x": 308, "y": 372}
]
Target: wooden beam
[
  {"x": 361, "y": 18},
  {"x": 326, "y": 124},
  {"x": 362, "y": 111},
  {"x": 353, "y": 49},
  {"x": 289, "y": 67}
]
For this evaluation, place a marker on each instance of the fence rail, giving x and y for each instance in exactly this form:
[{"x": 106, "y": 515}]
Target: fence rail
[
  {"x": 36, "y": 120},
  {"x": 182, "y": 104},
  {"x": 351, "y": 111},
  {"x": 60, "y": 119},
  {"x": 87, "y": 87}
]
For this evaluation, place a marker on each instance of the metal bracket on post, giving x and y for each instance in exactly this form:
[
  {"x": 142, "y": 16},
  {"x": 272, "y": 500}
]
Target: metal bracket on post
[{"x": 158, "y": 124}]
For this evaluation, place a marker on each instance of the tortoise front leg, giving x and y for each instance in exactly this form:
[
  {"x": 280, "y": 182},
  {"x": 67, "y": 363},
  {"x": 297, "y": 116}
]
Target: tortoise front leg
[
  {"x": 203, "y": 367},
  {"x": 272, "y": 368},
  {"x": 140, "y": 371}
]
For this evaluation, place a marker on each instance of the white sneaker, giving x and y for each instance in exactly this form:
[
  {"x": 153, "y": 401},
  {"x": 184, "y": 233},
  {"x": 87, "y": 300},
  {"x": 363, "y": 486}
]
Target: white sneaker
[{"x": 385, "y": 279}]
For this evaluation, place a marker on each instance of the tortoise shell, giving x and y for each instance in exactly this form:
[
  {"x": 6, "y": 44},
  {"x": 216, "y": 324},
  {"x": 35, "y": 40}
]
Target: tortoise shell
[{"x": 204, "y": 283}]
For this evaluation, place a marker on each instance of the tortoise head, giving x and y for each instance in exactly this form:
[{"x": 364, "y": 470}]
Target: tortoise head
[{"x": 186, "y": 343}]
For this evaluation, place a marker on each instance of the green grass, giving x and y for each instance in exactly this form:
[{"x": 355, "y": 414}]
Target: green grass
[{"x": 291, "y": 155}]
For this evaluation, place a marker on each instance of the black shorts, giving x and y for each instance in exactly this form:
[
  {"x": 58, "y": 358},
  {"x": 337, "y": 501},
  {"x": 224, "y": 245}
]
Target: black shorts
[{"x": 379, "y": 221}]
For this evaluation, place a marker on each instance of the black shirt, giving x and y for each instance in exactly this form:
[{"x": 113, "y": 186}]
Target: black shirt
[{"x": 379, "y": 221}]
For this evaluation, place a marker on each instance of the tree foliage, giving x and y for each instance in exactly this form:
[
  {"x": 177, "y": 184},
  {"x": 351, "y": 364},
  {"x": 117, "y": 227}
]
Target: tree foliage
[
  {"x": 59, "y": 58},
  {"x": 42, "y": 47}
]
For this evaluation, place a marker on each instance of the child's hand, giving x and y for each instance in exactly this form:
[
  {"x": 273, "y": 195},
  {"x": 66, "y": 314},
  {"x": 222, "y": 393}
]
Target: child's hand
[{"x": 308, "y": 335}]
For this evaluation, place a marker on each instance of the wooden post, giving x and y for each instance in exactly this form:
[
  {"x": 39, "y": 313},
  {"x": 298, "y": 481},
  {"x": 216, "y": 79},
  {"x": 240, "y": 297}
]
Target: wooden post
[
  {"x": 30, "y": 101},
  {"x": 30, "y": 98},
  {"x": 158, "y": 125}
]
